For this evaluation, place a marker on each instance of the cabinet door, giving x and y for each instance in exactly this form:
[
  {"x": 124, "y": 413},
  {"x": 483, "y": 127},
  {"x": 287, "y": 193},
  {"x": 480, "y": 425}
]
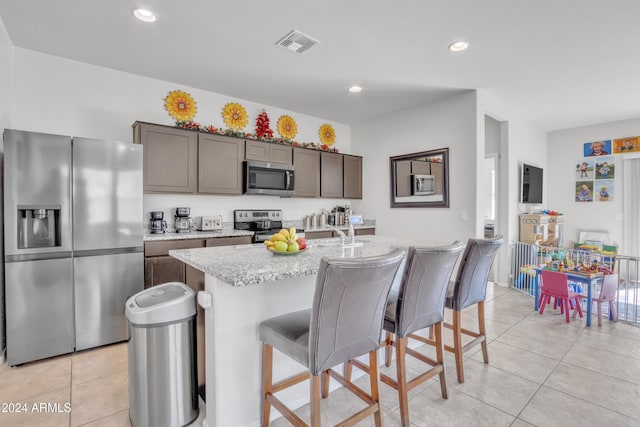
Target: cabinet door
[
  {"x": 170, "y": 158},
  {"x": 331, "y": 178},
  {"x": 255, "y": 150},
  {"x": 403, "y": 178},
  {"x": 307, "y": 175},
  {"x": 162, "y": 269},
  {"x": 268, "y": 152},
  {"x": 352, "y": 186},
  {"x": 220, "y": 164},
  {"x": 280, "y": 154},
  {"x": 437, "y": 172},
  {"x": 420, "y": 168}
]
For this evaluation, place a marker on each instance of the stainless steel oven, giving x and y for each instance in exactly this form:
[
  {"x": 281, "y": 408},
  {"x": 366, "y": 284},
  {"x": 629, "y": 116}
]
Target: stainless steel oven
[{"x": 274, "y": 179}]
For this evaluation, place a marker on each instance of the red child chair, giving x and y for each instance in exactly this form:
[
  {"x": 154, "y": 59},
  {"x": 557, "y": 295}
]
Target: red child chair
[
  {"x": 555, "y": 285},
  {"x": 607, "y": 294}
]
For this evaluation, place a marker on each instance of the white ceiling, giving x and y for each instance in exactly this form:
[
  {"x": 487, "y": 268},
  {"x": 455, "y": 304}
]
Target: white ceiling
[{"x": 561, "y": 63}]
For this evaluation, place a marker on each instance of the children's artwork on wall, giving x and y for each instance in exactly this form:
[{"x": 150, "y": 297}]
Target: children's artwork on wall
[
  {"x": 597, "y": 148},
  {"x": 584, "y": 191},
  {"x": 605, "y": 168},
  {"x": 585, "y": 168},
  {"x": 626, "y": 145},
  {"x": 604, "y": 190}
]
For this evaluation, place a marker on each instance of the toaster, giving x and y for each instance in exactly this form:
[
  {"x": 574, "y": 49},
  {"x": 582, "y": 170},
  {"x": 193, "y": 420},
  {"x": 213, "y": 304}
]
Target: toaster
[{"x": 209, "y": 223}]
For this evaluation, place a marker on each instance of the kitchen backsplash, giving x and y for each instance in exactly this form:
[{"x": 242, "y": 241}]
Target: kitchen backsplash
[{"x": 292, "y": 208}]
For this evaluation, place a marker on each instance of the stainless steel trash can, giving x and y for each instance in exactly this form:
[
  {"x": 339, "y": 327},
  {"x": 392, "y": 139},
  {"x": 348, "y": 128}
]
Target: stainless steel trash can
[{"x": 163, "y": 384}]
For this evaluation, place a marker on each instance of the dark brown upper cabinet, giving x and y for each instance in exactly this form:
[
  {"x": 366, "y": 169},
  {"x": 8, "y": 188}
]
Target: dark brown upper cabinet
[
  {"x": 220, "y": 164},
  {"x": 170, "y": 158},
  {"x": 307, "y": 175},
  {"x": 352, "y": 185},
  {"x": 268, "y": 152},
  {"x": 331, "y": 175}
]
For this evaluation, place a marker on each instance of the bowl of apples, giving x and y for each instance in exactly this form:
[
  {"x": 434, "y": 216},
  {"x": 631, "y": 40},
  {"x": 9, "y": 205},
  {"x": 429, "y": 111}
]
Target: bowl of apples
[{"x": 286, "y": 242}]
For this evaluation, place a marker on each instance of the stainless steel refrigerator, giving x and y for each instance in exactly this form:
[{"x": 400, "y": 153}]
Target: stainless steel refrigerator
[{"x": 73, "y": 242}]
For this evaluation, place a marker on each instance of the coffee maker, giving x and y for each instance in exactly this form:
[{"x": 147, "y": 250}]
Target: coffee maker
[
  {"x": 156, "y": 223},
  {"x": 182, "y": 222}
]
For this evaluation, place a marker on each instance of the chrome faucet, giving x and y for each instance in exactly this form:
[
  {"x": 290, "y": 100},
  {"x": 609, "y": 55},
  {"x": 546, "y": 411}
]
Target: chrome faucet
[{"x": 343, "y": 237}]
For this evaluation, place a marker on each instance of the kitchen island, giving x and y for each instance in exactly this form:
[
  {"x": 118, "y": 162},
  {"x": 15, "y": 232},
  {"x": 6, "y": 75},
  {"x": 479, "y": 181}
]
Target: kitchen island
[{"x": 245, "y": 285}]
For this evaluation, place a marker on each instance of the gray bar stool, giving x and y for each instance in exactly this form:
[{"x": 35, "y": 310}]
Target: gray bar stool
[
  {"x": 344, "y": 322},
  {"x": 417, "y": 304},
  {"x": 470, "y": 287}
]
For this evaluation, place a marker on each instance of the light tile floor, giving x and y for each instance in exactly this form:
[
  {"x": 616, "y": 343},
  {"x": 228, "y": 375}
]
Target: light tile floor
[{"x": 542, "y": 372}]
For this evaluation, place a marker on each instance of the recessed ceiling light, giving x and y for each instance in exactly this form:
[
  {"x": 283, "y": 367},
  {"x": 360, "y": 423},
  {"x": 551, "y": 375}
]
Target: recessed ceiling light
[
  {"x": 144, "y": 15},
  {"x": 355, "y": 89},
  {"x": 458, "y": 46}
]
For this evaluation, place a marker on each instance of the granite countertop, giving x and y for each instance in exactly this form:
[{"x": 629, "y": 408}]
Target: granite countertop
[
  {"x": 339, "y": 227},
  {"x": 229, "y": 231},
  {"x": 244, "y": 265},
  {"x": 225, "y": 232}
]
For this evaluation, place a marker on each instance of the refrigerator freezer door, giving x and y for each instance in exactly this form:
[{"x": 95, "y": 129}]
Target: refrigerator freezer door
[
  {"x": 102, "y": 286},
  {"x": 39, "y": 298},
  {"x": 37, "y": 173},
  {"x": 107, "y": 194}
]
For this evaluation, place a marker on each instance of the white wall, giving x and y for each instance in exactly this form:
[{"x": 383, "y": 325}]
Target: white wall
[
  {"x": 56, "y": 95},
  {"x": 6, "y": 98},
  {"x": 520, "y": 141},
  {"x": 448, "y": 122},
  {"x": 565, "y": 149},
  {"x": 6, "y": 78}
]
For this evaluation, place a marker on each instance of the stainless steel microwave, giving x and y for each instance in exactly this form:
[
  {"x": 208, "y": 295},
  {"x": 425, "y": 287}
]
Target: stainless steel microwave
[
  {"x": 273, "y": 179},
  {"x": 423, "y": 185}
]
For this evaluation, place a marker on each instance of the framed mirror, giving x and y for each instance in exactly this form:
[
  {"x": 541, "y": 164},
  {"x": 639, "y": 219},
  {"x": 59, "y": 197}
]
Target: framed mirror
[{"x": 420, "y": 180}]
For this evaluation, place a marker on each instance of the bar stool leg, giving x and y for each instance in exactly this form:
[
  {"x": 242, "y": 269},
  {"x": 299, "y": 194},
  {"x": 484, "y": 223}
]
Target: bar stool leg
[
  {"x": 483, "y": 332},
  {"x": 324, "y": 383},
  {"x": 374, "y": 381},
  {"x": 457, "y": 345},
  {"x": 401, "y": 375},
  {"x": 315, "y": 401},
  {"x": 440, "y": 358},
  {"x": 387, "y": 349},
  {"x": 267, "y": 382},
  {"x": 347, "y": 368}
]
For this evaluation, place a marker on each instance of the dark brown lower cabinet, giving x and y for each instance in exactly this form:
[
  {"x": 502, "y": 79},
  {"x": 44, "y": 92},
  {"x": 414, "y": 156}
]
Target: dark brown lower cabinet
[
  {"x": 162, "y": 269},
  {"x": 195, "y": 280}
]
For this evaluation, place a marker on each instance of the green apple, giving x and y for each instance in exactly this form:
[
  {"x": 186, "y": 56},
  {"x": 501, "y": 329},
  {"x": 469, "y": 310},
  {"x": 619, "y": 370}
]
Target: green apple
[
  {"x": 280, "y": 246},
  {"x": 293, "y": 247}
]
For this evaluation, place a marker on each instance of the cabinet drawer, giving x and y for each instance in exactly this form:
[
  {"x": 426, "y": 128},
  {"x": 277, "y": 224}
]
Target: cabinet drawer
[
  {"x": 365, "y": 231},
  {"x": 162, "y": 248},
  {"x": 318, "y": 235},
  {"x": 228, "y": 241}
]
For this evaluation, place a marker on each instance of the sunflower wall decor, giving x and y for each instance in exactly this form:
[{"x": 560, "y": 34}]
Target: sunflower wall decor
[
  {"x": 235, "y": 116},
  {"x": 327, "y": 134},
  {"x": 180, "y": 105},
  {"x": 287, "y": 127}
]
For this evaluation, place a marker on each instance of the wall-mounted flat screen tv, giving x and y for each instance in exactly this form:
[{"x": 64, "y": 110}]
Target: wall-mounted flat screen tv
[{"x": 531, "y": 184}]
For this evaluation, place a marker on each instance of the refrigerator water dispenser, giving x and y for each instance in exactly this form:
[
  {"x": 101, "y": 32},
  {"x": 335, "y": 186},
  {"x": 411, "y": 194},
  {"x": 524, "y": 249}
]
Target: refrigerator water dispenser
[{"x": 38, "y": 227}]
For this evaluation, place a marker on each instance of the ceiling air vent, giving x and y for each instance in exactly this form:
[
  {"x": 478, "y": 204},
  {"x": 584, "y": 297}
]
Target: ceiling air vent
[{"x": 297, "y": 42}]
